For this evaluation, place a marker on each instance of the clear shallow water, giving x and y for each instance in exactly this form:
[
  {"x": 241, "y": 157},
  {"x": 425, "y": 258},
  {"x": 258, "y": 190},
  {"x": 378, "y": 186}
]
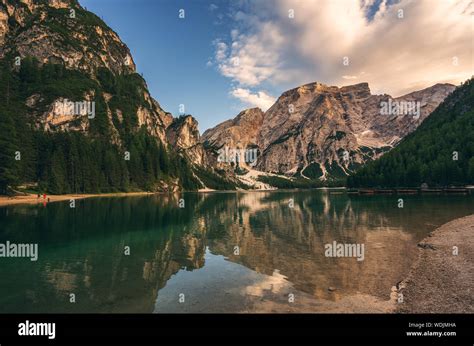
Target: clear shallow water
[{"x": 190, "y": 252}]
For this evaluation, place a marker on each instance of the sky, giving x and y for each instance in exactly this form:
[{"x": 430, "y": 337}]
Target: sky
[{"x": 228, "y": 55}]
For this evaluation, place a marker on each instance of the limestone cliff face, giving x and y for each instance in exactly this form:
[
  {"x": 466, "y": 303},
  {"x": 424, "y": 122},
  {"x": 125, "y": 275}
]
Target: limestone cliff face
[
  {"x": 183, "y": 134},
  {"x": 240, "y": 132},
  {"x": 337, "y": 129},
  {"x": 322, "y": 131},
  {"x": 313, "y": 130},
  {"x": 62, "y": 32},
  {"x": 399, "y": 126}
]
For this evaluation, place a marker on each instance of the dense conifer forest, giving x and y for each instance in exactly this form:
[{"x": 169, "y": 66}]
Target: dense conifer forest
[
  {"x": 78, "y": 162},
  {"x": 439, "y": 153}
]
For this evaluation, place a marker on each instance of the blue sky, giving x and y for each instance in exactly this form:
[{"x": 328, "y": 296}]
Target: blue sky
[
  {"x": 173, "y": 53},
  {"x": 228, "y": 55}
]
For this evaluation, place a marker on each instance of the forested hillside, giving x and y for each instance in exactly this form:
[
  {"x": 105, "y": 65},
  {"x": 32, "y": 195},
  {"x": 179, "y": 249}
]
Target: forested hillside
[
  {"x": 439, "y": 153},
  {"x": 75, "y": 161}
]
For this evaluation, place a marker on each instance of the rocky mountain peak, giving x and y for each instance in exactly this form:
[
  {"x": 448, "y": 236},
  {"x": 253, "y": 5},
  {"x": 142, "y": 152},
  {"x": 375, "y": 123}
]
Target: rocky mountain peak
[
  {"x": 317, "y": 130},
  {"x": 359, "y": 91},
  {"x": 238, "y": 133},
  {"x": 248, "y": 116},
  {"x": 61, "y": 31},
  {"x": 183, "y": 132},
  {"x": 61, "y": 34}
]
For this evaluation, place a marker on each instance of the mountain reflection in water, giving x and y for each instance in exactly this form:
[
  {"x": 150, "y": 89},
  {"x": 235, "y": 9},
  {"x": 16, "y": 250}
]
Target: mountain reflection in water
[{"x": 191, "y": 252}]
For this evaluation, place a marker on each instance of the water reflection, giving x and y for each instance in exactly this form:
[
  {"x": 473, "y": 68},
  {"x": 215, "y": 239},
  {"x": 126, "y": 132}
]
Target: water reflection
[{"x": 192, "y": 251}]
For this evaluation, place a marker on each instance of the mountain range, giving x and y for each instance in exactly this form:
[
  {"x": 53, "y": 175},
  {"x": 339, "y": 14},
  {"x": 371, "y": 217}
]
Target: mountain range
[
  {"x": 55, "y": 53},
  {"x": 320, "y": 131},
  {"x": 439, "y": 153}
]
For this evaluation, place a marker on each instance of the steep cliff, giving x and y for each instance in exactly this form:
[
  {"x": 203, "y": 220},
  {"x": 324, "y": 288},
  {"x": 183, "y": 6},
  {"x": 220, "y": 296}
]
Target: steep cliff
[
  {"x": 61, "y": 32},
  {"x": 240, "y": 132},
  {"x": 439, "y": 153},
  {"x": 320, "y": 131},
  {"x": 73, "y": 106},
  {"x": 183, "y": 134}
]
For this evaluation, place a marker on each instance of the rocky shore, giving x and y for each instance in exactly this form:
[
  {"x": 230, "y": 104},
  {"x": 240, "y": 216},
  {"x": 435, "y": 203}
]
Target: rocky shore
[{"x": 442, "y": 280}]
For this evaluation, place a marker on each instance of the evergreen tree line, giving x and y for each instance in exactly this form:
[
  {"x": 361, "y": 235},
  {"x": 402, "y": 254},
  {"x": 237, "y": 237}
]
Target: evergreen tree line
[
  {"x": 439, "y": 153},
  {"x": 76, "y": 162}
]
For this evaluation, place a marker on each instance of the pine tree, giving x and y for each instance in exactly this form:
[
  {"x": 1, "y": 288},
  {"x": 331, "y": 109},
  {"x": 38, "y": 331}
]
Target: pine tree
[
  {"x": 7, "y": 152},
  {"x": 439, "y": 152}
]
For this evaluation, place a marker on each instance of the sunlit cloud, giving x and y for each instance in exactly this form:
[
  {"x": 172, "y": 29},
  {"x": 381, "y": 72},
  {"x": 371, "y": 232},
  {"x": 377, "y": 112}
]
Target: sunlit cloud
[
  {"x": 397, "y": 47},
  {"x": 259, "y": 99}
]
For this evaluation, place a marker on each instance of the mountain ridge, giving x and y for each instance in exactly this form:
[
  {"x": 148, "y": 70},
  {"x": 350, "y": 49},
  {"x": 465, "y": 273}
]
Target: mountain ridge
[
  {"x": 313, "y": 125},
  {"x": 438, "y": 154},
  {"x": 56, "y": 57},
  {"x": 63, "y": 54}
]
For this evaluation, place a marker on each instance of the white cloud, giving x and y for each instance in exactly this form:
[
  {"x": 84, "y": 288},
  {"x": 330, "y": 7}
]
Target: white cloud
[
  {"x": 252, "y": 59},
  {"x": 259, "y": 99},
  {"x": 395, "y": 55},
  {"x": 221, "y": 49}
]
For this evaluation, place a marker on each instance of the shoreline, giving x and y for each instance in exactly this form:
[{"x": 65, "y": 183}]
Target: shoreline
[
  {"x": 441, "y": 281},
  {"x": 33, "y": 199}
]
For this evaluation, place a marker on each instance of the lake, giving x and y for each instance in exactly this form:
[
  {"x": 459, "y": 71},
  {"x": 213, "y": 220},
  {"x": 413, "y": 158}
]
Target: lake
[{"x": 220, "y": 252}]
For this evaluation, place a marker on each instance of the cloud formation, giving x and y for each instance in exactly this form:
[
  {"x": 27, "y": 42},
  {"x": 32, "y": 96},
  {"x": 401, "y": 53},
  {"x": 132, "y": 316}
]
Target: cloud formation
[
  {"x": 396, "y": 47},
  {"x": 253, "y": 58},
  {"x": 259, "y": 99}
]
